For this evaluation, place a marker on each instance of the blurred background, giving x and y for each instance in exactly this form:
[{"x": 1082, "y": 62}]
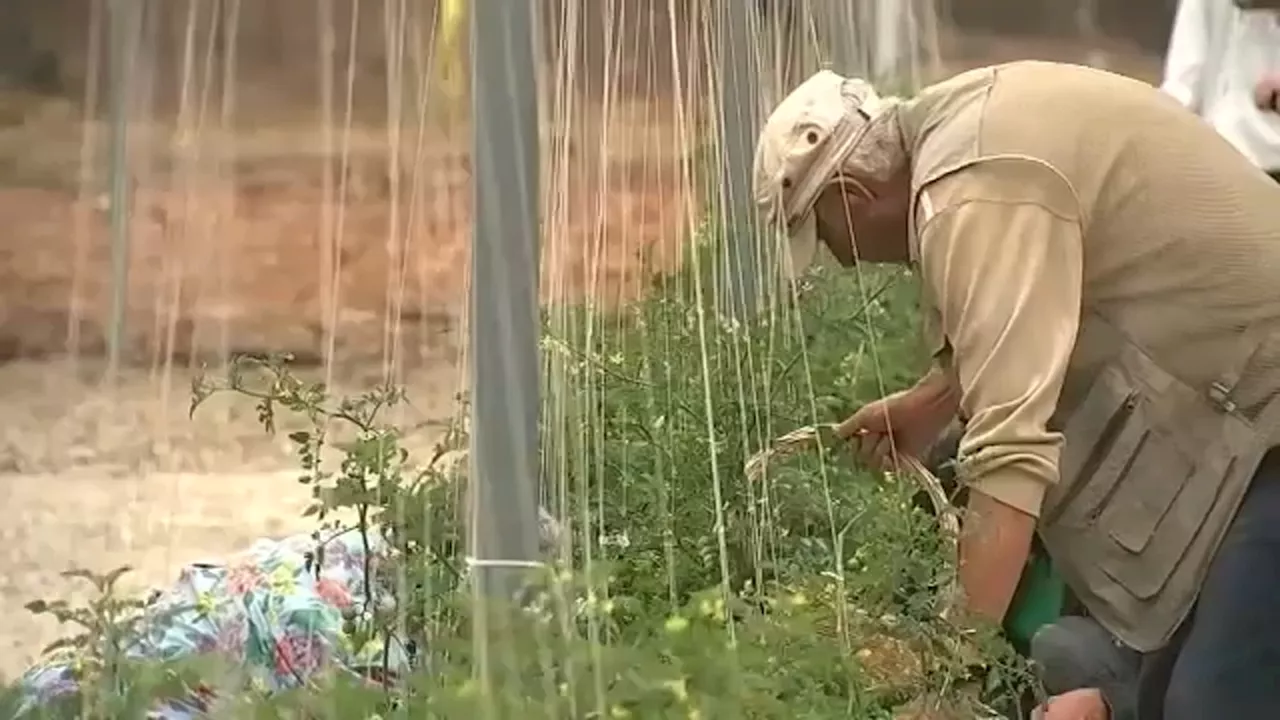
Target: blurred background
[
  {"x": 244, "y": 91},
  {"x": 294, "y": 175}
]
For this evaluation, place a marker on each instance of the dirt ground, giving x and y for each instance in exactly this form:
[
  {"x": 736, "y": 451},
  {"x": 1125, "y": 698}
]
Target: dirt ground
[
  {"x": 231, "y": 248},
  {"x": 96, "y": 478}
]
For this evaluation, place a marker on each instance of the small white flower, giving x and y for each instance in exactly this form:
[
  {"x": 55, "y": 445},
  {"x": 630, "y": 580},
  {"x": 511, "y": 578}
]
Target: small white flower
[{"x": 619, "y": 540}]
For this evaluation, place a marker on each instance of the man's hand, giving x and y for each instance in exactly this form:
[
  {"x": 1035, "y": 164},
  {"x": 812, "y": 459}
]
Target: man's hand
[
  {"x": 906, "y": 422},
  {"x": 1267, "y": 92},
  {"x": 1086, "y": 704}
]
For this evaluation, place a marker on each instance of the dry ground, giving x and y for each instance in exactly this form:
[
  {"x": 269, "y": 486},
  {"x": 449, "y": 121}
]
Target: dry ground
[{"x": 96, "y": 478}]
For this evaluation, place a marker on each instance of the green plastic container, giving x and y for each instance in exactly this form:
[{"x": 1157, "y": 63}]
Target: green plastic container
[{"x": 1037, "y": 602}]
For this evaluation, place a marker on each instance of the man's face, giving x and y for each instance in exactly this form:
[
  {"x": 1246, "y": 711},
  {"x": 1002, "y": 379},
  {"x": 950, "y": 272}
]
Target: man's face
[{"x": 875, "y": 213}]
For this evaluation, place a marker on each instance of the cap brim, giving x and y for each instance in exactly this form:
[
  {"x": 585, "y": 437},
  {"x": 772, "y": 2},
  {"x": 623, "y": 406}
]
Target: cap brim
[{"x": 801, "y": 247}]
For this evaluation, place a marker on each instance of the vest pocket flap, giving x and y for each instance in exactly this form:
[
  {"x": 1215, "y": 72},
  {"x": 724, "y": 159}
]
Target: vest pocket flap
[
  {"x": 1159, "y": 474},
  {"x": 1158, "y": 513}
]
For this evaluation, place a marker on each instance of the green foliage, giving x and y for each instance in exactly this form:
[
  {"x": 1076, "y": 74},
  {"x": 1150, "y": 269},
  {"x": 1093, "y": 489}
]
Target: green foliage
[
  {"x": 412, "y": 507},
  {"x": 672, "y": 421},
  {"x": 111, "y": 684},
  {"x": 678, "y": 589}
]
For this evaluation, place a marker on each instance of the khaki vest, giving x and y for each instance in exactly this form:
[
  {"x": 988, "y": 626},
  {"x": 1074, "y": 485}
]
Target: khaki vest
[{"x": 1153, "y": 468}]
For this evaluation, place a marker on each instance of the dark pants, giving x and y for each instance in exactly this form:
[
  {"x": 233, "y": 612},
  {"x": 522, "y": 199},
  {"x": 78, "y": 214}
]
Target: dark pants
[{"x": 1224, "y": 662}]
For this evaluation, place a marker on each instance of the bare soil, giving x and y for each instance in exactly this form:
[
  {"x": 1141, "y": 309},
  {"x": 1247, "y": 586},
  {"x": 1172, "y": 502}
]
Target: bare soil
[{"x": 99, "y": 477}]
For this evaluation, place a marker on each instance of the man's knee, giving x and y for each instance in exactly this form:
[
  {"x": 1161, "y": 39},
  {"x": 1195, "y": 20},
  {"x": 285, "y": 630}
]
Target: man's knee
[{"x": 1076, "y": 652}]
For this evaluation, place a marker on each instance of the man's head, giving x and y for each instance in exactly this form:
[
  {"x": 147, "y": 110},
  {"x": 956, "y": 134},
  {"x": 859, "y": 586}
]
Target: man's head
[{"x": 831, "y": 163}]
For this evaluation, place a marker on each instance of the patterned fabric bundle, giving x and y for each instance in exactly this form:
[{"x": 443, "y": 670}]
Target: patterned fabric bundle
[{"x": 276, "y": 611}]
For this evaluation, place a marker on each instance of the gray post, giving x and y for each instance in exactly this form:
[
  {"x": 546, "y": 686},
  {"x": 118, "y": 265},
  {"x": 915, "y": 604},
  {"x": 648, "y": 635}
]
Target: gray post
[
  {"x": 125, "y": 18},
  {"x": 889, "y": 50},
  {"x": 504, "y": 323},
  {"x": 837, "y": 23},
  {"x": 739, "y": 119}
]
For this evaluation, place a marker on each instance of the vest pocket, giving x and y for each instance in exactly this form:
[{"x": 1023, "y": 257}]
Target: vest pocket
[
  {"x": 1094, "y": 432},
  {"x": 1144, "y": 462},
  {"x": 1158, "y": 508},
  {"x": 1151, "y": 474}
]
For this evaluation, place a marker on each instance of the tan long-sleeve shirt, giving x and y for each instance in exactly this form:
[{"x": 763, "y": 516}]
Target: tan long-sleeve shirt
[{"x": 1061, "y": 211}]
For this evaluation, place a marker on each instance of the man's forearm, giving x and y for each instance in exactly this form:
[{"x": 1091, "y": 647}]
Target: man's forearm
[{"x": 995, "y": 543}]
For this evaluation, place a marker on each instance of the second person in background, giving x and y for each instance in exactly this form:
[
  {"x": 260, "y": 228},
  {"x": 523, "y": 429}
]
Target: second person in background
[{"x": 1224, "y": 65}]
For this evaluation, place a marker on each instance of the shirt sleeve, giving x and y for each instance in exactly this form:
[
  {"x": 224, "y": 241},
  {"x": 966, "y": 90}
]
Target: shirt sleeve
[
  {"x": 932, "y": 332},
  {"x": 1007, "y": 278},
  {"x": 1186, "y": 62}
]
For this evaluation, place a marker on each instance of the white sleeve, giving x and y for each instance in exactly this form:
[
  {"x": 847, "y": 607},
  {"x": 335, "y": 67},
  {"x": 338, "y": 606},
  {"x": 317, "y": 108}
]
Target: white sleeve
[{"x": 1191, "y": 46}]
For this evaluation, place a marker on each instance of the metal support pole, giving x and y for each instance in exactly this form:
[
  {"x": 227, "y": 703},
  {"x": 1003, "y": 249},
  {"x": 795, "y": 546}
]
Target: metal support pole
[
  {"x": 504, "y": 324},
  {"x": 837, "y": 23},
  {"x": 746, "y": 256},
  {"x": 125, "y": 18},
  {"x": 888, "y": 51}
]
